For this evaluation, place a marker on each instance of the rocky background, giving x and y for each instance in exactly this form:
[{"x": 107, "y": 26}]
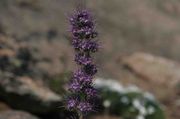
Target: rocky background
[{"x": 140, "y": 46}]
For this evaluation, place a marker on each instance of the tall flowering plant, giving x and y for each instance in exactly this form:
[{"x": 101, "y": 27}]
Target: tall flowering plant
[{"x": 82, "y": 93}]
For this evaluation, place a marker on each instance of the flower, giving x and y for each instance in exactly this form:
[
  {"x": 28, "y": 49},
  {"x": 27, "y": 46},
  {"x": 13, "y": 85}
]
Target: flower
[
  {"x": 81, "y": 19},
  {"x": 75, "y": 86},
  {"x": 83, "y": 59},
  {"x": 72, "y": 103},
  {"x": 90, "y": 92},
  {"x": 82, "y": 77},
  {"x": 85, "y": 32},
  {"x": 89, "y": 46},
  {"x": 90, "y": 69},
  {"x": 85, "y": 107},
  {"x": 85, "y": 43}
]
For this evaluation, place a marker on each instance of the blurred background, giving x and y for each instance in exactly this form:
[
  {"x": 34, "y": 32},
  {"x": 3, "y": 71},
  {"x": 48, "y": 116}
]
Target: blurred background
[{"x": 139, "y": 70}]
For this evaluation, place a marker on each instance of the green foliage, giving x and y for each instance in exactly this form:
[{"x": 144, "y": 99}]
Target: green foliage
[
  {"x": 123, "y": 105},
  {"x": 57, "y": 84},
  {"x": 130, "y": 104}
]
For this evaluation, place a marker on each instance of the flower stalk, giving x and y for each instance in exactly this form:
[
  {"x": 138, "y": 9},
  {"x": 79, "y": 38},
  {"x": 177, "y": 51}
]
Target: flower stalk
[{"x": 83, "y": 95}]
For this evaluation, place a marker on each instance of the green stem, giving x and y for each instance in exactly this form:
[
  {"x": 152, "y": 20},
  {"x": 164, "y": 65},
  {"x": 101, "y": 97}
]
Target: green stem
[{"x": 81, "y": 116}]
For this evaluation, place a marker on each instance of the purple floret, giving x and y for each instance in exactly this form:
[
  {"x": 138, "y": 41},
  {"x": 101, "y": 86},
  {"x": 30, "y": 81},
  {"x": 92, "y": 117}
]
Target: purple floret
[
  {"x": 72, "y": 103},
  {"x": 90, "y": 69},
  {"x": 81, "y": 19},
  {"x": 83, "y": 59},
  {"x": 76, "y": 43},
  {"x": 91, "y": 46},
  {"x": 84, "y": 33},
  {"x": 85, "y": 107},
  {"x": 82, "y": 77},
  {"x": 90, "y": 92},
  {"x": 75, "y": 86},
  {"x": 85, "y": 45}
]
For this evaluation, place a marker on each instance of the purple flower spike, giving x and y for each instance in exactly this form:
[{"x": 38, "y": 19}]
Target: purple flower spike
[{"x": 85, "y": 43}]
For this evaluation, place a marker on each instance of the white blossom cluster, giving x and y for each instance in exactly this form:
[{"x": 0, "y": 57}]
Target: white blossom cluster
[{"x": 137, "y": 103}]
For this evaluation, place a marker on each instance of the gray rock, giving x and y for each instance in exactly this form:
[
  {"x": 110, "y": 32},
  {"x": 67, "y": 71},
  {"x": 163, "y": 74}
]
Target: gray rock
[
  {"x": 26, "y": 94},
  {"x": 16, "y": 115},
  {"x": 154, "y": 69}
]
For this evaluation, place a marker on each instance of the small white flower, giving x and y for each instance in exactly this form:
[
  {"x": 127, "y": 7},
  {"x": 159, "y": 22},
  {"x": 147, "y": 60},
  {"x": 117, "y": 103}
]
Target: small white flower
[
  {"x": 143, "y": 111},
  {"x": 132, "y": 88},
  {"x": 136, "y": 103},
  {"x": 140, "y": 117},
  {"x": 110, "y": 84},
  {"x": 150, "y": 110},
  {"x": 124, "y": 100},
  {"x": 139, "y": 106},
  {"x": 149, "y": 96},
  {"x": 107, "y": 103}
]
